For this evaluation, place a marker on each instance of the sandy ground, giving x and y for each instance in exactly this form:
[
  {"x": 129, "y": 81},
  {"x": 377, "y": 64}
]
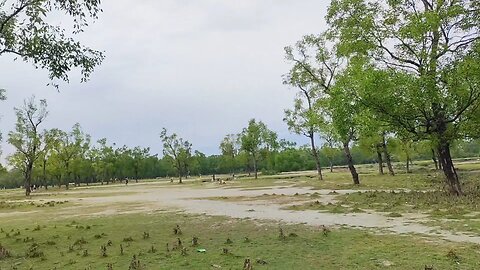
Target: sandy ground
[{"x": 151, "y": 198}]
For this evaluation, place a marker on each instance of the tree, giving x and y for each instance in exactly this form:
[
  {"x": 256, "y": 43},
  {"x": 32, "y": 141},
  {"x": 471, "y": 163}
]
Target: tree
[
  {"x": 27, "y": 138},
  {"x": 329, "y": 148},
  {"x": 50, "y": 142},
  {"x": 178, "y": 150},
  {"x": 343, "y": 117},
  {"x": 373, "y": 135},
  {"x": 103, "y": 160},
  {"x": 253, "y": 140},
  {"x": 138, "y": 155},
  {"x": 2, "y": 97},
  {"x": 313, "y": 72},
  {"x": 304, "y": 121},
  {"x": 27, "y": 32},
  {"x": 71, "y": 146},
  {"x": 424, "y": 55},
  {"x": 229, "y": 147}
]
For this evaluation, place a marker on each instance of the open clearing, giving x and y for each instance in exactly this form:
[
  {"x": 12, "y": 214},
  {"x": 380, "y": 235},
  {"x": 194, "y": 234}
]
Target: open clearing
[{"x": 324, "y": 225}]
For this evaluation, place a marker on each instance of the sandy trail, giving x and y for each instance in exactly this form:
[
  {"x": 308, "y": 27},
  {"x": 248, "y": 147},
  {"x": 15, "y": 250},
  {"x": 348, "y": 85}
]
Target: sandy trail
[
  {"x": 150, "y": 198},
  {"x": 195, "y": 201}
]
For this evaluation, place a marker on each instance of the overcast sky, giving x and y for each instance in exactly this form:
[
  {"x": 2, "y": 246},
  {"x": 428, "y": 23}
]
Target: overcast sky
[{"x": 200, "y": 68}]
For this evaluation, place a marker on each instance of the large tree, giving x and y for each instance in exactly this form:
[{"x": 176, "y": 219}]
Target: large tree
[
  {"x": 138, "y": 156},
  {"x": 230, "y": 148},
  {"x": 178, "y": 150},
  {"x": 27, "y": 138},
  {"x": 71, "y": 146},
  {"x": 304, "y": 120},
  {"x": 313, "y": 71},
  {"x": 50, "y": 142},
  {"x": 27, "y": 31},
  {"x": 428, "y": 55},
  {"x": 253, "y": 139},
  {"x": 343, "y": 118}
]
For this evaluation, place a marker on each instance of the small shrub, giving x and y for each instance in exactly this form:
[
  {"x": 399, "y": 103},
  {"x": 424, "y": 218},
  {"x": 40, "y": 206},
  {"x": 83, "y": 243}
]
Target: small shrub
[
  {"x": 28, "y": 239},
  {"x": 135, "y": 264},
  {"x": 34, "y": 251},
  {"x": 128, "y": 239},
  {"x": 80, "y": 242},
  {"x": 4, "y": 253},
  {"x": 195, "y": 241},
  {"x": 293, "y": 235},
  {"x": 177, "y": 230},
  {"x": 453, "y": 256},
  {"x": 394, "y": 214},
  {"x": 281, "y": 234},
  {"x": 103, "y": 250},
  {"x": 247, "y": 264},
  {"x": 325, "y": 230}
]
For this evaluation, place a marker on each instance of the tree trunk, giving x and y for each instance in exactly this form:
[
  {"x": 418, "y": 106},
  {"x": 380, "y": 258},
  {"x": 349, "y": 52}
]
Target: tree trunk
[
  {"x": 44, "y": 180},
  {"x": 255, "y": 166},
  {"x": 449, "y": 169},
  {"x": 409, "y": 161},
  {"x": 179, "y": 172},
  {"x": 331, "y": 166},
  {"x": 351, "y": 166},
  {"x": 440, "y": 165},
  {"x": 434, "y": 158},
  {"x": 387, "y": 157},
  {"x": 28, "y": 184},
  {"x": 28, "y": 178},
  {"x": 315, "y": 156},
  {"x": 379, "y": 160}
]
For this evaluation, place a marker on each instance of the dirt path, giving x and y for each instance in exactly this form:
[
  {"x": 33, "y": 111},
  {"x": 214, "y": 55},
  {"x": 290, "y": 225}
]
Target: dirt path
[{"x": 195, "y": 201}]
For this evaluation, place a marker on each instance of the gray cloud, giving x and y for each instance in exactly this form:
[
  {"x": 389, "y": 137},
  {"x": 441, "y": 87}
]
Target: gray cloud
[{"x": 200, "y": 68}]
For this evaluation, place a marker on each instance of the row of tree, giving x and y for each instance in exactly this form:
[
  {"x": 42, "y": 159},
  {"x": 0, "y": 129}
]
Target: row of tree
[
  {"x": 55, "y": 157},
  {"x": 403, "y": 69}
]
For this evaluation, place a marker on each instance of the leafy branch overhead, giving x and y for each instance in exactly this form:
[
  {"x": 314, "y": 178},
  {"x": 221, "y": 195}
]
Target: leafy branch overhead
[{"x": 27, "y": 31}]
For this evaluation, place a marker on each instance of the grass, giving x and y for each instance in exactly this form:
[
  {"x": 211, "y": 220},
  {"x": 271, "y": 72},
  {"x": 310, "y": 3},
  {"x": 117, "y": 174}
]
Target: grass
[
  {"x": 56, "y": 235},
  {"x": 341, "y": 179},
  {"x": 335, "y": 208},
  {"x": 436, "y": 203},
  {"x": 424, "y": 177},
  {"x": 93, "y": 243}
]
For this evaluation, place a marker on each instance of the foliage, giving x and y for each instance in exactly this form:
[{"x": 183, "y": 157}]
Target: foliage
[
  {"x": 27, "y": 31},
  {"x": 27, "y": 138},
  {"x": 424, "y": 55},
  {"x": 179, "y": 151}
]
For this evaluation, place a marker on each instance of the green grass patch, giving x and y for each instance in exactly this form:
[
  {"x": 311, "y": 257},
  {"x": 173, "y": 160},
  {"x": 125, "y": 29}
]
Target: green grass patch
[{"x": 68, "y": 244}]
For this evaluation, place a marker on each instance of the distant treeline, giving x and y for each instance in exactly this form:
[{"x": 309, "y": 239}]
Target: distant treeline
[{"x": 72, "y": 159}]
